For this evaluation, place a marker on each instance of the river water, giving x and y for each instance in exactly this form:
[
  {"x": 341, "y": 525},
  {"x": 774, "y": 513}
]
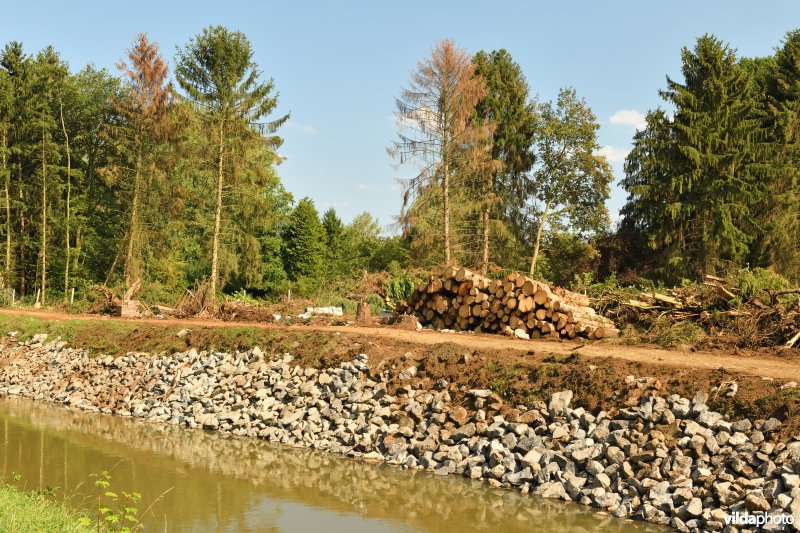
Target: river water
[{"x": 204, "y": 482}]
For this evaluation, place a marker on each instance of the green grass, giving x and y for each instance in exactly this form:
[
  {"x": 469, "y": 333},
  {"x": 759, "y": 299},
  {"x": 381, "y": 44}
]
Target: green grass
[
  {"x": 502, "y": 378},
  {"x": 112, "y": 337},
  {"x": 23, "y": 512}
]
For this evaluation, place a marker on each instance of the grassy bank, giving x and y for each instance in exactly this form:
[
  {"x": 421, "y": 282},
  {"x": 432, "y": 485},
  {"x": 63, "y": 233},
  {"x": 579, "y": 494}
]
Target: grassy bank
[
  {"x": 23, "y": 512},
  {"x": 111, "y": 337}
]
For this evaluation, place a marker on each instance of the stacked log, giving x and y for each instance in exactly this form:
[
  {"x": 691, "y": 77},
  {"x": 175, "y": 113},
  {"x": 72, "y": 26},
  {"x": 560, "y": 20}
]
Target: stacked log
[{"x": 461, "y": 300}]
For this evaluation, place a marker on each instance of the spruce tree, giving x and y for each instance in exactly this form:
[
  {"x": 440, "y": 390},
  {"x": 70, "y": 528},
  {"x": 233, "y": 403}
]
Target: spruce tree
[
  {"x": 438, "y": 136},
  {"x": 779, "y": 213},
  {"x": 217, "y": 73},
  {"x": 145, "y": 107},
  {"x": 507, "y": 105},
  {"x": 304, "y": 244},
  {"x": 693, "y": 181}
]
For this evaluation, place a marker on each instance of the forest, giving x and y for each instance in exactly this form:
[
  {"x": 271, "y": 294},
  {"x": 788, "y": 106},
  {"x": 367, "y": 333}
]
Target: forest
[{"x": 168, "y": 174}]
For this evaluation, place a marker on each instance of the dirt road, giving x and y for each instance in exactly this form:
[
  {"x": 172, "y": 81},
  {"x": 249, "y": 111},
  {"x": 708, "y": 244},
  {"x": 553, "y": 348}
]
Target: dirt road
[{"x": 756, "y": 364}]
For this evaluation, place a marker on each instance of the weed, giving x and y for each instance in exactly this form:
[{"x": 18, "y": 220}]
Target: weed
[
  {"x": 117, "y": 513},
  {"x": 502, "y": 378}
]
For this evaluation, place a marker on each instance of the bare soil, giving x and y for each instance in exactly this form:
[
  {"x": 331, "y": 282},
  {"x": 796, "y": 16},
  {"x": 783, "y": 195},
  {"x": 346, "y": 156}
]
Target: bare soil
[{"x": 519, "y": 371}]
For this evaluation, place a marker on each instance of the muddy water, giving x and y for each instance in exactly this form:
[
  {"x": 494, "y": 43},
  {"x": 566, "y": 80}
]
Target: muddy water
[{"x": 210, "y": 482}]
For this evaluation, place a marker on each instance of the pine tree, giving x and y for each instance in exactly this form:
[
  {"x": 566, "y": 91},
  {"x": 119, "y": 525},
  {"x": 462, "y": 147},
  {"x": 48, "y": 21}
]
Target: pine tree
[{"x": 304, "y": 244}]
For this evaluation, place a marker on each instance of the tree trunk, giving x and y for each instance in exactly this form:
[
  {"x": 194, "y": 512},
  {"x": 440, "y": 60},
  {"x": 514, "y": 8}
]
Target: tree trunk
[
  {"x": 44, "y": 218},
  {"x": 69, "y": 195},
  {"x": 486, "y": 213},
  {"x": 7, "y": 175},
  {"x": 446, "y": 208},
  {"x": 134, "y": 221},
  {"x": 21, "y": 243},
  {"x": 539, "y": 238},
  {"x": 217, "y": 222},
  {"x": 76, "y": 256}
]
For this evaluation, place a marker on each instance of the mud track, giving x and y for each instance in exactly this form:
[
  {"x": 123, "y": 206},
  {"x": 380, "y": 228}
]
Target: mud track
[{"x": 779, "y": 364}]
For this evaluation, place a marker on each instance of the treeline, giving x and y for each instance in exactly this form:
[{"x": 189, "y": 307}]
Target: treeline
[
  {"x": 112, "y": 178},
  {"x": 507, "y": 182},
  {"x": 172, "y": 179},
  {"x": 713, "y": 181}
]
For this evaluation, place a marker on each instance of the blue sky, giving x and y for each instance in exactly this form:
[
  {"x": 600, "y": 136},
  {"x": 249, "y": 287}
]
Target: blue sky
[{"x": 339, "y": 65}]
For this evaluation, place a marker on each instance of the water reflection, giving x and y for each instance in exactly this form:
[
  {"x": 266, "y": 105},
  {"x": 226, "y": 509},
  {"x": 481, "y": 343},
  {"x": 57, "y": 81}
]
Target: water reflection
[{"x": 218, "y": 483}]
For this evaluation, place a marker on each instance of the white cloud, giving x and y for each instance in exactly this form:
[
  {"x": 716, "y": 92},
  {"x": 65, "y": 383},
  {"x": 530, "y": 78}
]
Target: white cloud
[
  {"x": 614, "y": 154},
  {"x": 304, "y": 128},
  {"x": 366, "y": 187},
  {"x": 628, "y": 117}
]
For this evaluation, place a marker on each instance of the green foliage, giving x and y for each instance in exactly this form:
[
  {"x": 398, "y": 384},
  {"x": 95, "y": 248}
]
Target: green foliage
[
  {"x": 401, "y": 283},
  {"x": 570, "y": 181},
  {"x": 217, "y": 73},
  {"x": 507, "y": 105},
  {"x": 114, "y": 513},
  {"x": 566, "y": 256},
  {"x": 304, "y": 247},
  {"x": 376, "y": 303},
  {"x": 333, "y": 231},
  {"x": 667, "y": 332},
  {"x": 502, "y": 378},
  {"x": 756, "y": 283},
  {"x": 710, "y": 187},
  {"x": 35, "y": 512}
]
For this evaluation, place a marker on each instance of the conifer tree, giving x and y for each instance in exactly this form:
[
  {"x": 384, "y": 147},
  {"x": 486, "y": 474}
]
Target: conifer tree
[
  {"x": 508, "y": 107},
  {"x": 695, "y": 179},
  {"x": 6, "y": 98},
  {"x": 304, "y": 244},
  {"x": 144, "y": 107},
  {"x": 49, "y": 74},
  {"x": 217, "y": 73},
  {"x": 778, "y": 214},
  {"x": 437, "y": 134}
]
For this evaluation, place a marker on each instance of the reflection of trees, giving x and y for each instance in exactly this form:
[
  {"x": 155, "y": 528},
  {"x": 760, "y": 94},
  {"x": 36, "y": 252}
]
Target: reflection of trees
[{"x": 224, "y": 476}]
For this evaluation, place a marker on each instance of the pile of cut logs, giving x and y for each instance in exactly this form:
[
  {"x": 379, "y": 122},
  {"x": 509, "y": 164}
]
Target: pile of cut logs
[{"x": 460, "y": 300}]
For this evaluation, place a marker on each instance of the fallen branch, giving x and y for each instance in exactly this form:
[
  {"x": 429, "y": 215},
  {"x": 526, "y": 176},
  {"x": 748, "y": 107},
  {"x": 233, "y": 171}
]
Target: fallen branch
[{"x": 793, "y": 340}]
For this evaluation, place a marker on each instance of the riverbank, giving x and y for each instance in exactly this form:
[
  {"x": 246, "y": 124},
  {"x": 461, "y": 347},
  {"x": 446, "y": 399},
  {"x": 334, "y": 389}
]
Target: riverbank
[
  {"x": 26, "y": 512},
  {"x": 199, "y": 481},
  {"x": 664, "y": 459}
]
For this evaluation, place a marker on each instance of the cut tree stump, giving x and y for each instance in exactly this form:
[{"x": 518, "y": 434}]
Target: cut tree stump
[
  {"x": 129, "y": 309},
  {"x": 363, "y": 312}
]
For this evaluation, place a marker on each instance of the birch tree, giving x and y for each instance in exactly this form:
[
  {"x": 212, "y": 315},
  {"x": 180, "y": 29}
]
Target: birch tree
[{"x": 570, "y": 180}]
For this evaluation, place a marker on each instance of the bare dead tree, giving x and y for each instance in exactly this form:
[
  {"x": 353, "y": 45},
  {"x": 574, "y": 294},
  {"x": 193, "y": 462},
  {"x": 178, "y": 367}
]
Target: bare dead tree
[{"x": 436, "y": 132}]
